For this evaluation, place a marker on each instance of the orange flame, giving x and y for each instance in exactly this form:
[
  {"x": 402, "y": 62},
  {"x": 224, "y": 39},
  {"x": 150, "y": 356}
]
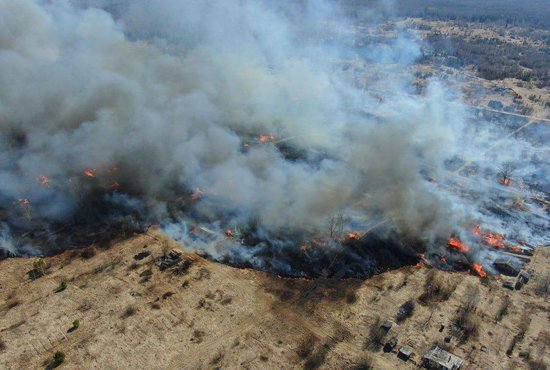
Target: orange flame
[
  {"x": 355, "y": 236},
  {"x": 509, "y": 182},
  {"x": 458, "y": 244},
  {"x": 303, "y": 248},
  {"x": 493, "y": 239},
  {"x": 197, "y": 194},
  {"x": 229, "y": 232},
  {"x": 44, "y": 181},
  {"x": 478, "y": 267},
  {"x": 24, "y": 202},
  {"x": 90, "y": 172},
  {"x": 115, "y": 185},
  {"x": 318, "y": 243},
  {"x": 267, "y": 138}
]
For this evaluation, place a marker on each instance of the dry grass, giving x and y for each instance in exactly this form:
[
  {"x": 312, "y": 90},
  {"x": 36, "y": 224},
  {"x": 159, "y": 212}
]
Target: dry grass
[
  {"x": 250, "y": 315},
  {"x": 436, "y": 289}
]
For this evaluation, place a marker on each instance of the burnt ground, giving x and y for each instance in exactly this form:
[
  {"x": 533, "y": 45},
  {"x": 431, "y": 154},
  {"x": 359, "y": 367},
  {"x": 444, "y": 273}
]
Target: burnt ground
[{"x": 201, "y": 314}]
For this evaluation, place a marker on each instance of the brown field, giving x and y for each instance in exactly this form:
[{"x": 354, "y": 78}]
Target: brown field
[{"x": 132, "y": 315}]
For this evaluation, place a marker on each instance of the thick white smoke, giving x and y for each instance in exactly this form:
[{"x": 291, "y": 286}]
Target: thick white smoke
[{"x": 156, "y": 99}]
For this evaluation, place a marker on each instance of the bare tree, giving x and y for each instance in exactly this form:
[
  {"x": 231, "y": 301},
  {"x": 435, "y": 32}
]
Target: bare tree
[
  {"x": 472, "y": 298},
  {"x": 336, "y": 225},
  {"x": 505, "y": 172}
]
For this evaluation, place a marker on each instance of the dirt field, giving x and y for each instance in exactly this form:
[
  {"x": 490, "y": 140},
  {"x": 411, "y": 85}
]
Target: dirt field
[{"x": 209, "y": 315}]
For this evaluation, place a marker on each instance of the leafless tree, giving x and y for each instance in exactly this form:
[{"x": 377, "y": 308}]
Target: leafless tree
[
  {"x": 505, "y": 172},
  {"x": 336, "y": 225},
  {"x": 472, "y": 298},
  {"x": 504, "y": 308}
]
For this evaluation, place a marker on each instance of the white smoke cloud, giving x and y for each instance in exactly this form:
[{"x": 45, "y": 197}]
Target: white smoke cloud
[{"x": 161, "y": 96}]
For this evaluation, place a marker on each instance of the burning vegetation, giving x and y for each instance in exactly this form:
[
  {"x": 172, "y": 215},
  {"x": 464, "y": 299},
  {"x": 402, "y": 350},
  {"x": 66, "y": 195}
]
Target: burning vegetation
[{"x": 285, "y": 163}]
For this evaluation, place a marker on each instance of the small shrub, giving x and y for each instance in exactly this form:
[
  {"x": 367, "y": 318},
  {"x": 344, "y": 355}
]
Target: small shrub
[
  {"x": 351, "y": 297},
  {"x": 182, "y": 268},
  {"x": 226, "y": 301},
  {"x": 472, "y": 298},
  {"x": 146, "y": 275},
  {"x": 375, "y": 336},
  {"x": 141, "y": 255},
  {"x": 523, "y": 327},
  {"x": 405, "y": 311},
  {"x": 39, "y": 268},
  {"x": 306, "y": 346},
  {"x": 76, "y": 324},
  {"x": 315, "y": 361},
  {"x": 58, "y": 358},
  {"x": 366, "y": 363},
  {"x": 318, "y": 357},
  {"x": 503, "y": 309},
  {"x": 12, "y": 303},
  {"x": 217, "y": 358},
  {"x": 85, "y": 306},
  {"x": 467, "y": 324},
  {"x": 88, "y": 253},
  {"x": 62, "y": 286},
  {"x": 2, "y": 346},
  {"x": 536, "y": 364},
  {"x": 107, "y": 266},
  {"x": 198, "y": 336},
  {"x": 203, "y": 274},
  {"x": 205, "y": 304},
  {"x": 512, "y": 345},
  {"x": 129, "y": 311},
  {"x": 167, "y": 295}
]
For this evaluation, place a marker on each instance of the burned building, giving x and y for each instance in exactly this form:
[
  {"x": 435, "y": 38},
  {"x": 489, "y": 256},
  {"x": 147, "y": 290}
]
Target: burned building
[
  {"x": 405, "y": 353},
  {"x": 168, "y": 260},
  {"x": 522, "y": 279},
  {"x": 439, "y": 359},
  {"x": 507, "y": 267}
]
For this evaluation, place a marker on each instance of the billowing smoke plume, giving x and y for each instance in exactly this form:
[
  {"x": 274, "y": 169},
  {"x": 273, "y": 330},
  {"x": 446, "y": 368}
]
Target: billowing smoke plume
[{"x": 243, "y": 111}]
